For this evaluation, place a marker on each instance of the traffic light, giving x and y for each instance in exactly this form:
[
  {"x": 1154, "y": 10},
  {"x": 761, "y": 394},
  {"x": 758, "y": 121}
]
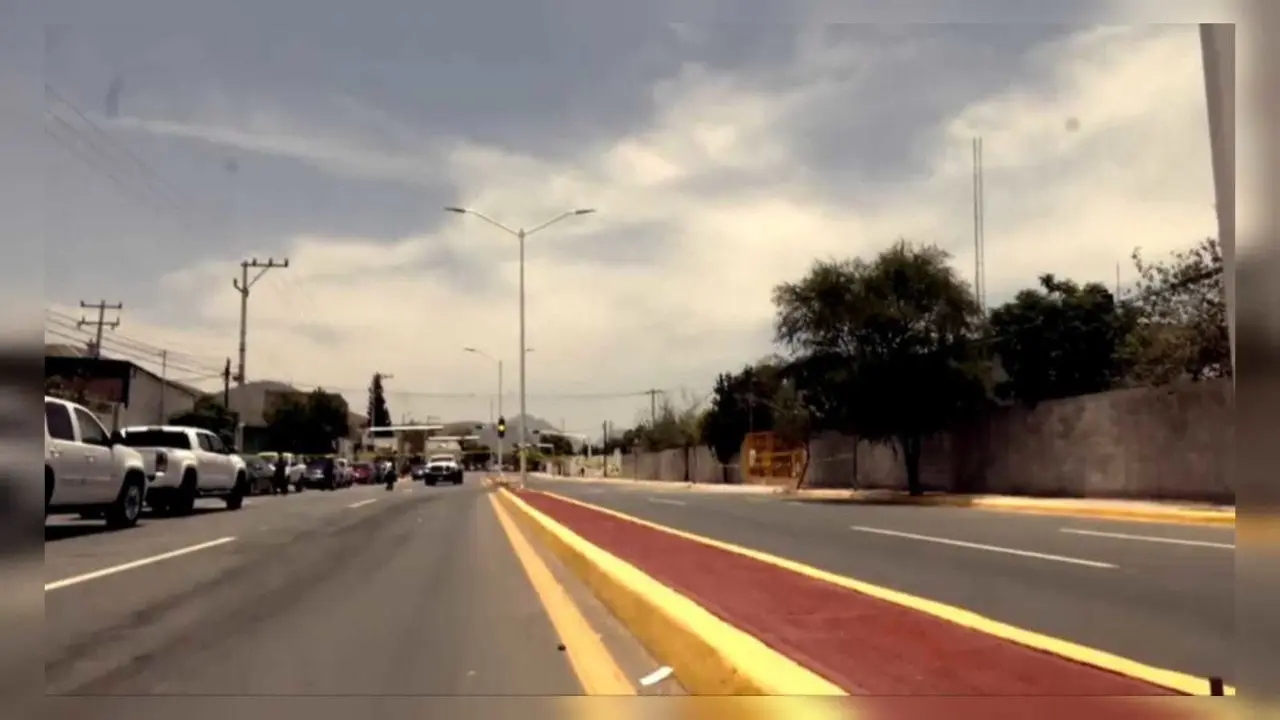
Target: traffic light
[{"x": 502, "y": 427}]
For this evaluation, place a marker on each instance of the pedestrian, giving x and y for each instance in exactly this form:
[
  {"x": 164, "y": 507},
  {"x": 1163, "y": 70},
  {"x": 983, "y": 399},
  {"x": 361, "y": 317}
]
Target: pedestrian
[
  {"x": 330, "y": 479},
  {"x": 280, "y": 478}
]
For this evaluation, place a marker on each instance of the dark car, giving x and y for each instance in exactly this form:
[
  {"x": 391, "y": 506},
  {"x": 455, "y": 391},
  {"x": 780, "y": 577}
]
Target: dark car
[{"x": 442, "y": 469}]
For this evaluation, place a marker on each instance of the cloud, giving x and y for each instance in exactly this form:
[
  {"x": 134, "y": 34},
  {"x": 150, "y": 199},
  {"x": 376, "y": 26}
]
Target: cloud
[{"x": 1098, "y": 145}]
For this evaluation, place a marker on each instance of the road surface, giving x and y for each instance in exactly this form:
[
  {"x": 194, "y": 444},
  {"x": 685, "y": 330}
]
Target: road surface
[
  {"x": 361, "y": 595},
  {"x": 1163, "y": 595}
]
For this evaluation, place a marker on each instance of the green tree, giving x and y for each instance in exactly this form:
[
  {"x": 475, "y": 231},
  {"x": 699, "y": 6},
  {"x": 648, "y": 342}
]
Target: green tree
[
  {"x": 905, "y": 324},
  {"x": 742, "y": 403},
  {"x": 1059, "y": 340},
  {"x": 1181, "y": 310},
  {"x": 210, "y": 414},
  {"x": 561, "y": 446},
  {"x": 309, "y": 424},
  {"x": 378, "y": 413}
]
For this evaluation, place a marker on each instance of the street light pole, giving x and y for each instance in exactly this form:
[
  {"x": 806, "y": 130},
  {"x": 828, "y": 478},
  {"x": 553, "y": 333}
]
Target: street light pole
[
  {"x": 481, "y": 353},
  {"x": 521, "y": 235}
]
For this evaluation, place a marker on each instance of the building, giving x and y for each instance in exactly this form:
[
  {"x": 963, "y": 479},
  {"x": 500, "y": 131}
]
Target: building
[
  {"x": 254, "y": 402},
  {"x": 151, "y": 399}
]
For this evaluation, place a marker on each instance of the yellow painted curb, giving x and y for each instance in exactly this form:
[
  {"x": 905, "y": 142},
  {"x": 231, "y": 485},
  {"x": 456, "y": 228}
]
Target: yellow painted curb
[
  {"x": 707, "y": 655},
  {"x": 1171, "y": 517},
  {"x": 1180, "y": 516},
  {"x": 1160, "y": 677}
]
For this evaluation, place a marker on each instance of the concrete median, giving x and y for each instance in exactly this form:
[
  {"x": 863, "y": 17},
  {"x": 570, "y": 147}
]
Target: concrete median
[{"x": 718, "y": 629}]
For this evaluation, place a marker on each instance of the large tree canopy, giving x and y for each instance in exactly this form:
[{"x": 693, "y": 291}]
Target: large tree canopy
[
  {"x": 1059, "y": 340},
  {"x": 904, "y": 326},
  {"x": 1181, "y": 313},
  {"x": 310, "y": 423}
]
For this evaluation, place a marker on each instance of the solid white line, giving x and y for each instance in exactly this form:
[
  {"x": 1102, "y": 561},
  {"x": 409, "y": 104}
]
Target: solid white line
[
  {"x": 990, "y": 548},
  {"x": 363, "y": 503},
  {"x": 135, "y": 564},
  {"x": 665, "y": 501},
  {"x": 1149, "y": 538}
]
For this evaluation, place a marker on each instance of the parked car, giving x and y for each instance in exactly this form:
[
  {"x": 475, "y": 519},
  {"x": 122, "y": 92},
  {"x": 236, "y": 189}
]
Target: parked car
[
  {"x": 261, "y": 474},
  {"x": 89, "y": 471},
  {"x": 294, "y": 469},
  {"x": 363, "y": 473},
  {"x": 314, "y": 476},
  {"x": 343, "y": 471},
  {"x": 443, "y": 469},
  {"x": 197, "y": 464}
]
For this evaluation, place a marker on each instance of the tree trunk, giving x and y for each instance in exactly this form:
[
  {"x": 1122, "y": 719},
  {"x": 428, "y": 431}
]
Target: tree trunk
[
  {"x": 911, "y": 455},
  {"x": 804, "y": 469}
]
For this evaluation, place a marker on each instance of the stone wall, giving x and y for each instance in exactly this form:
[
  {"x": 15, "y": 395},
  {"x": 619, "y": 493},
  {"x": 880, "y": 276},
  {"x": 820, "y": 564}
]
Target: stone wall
[{"x": 1170, "y": 442}]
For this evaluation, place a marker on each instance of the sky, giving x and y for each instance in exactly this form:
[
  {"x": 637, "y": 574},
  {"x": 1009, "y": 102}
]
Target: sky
[{"x": 722, "y": 156}]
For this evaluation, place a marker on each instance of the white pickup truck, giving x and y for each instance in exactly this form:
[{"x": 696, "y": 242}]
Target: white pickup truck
[
  {"x": 197, "y": 464},
  {"x": 88, "y": 471}
]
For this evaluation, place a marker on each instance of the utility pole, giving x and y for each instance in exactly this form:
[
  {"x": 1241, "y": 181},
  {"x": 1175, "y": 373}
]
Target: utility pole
[
  {"x": 242, "y": 286},
  {"x": 979, "y": 229},
  {"x": 164, "y": 383},
  {"x": 226, "y": 385},
  {"x": 101, "y": 323},
  {"x": 653, "y": 407}
]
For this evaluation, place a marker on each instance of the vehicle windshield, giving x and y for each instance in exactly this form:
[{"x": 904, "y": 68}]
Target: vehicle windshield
[
  {"x": 157, "y": 438},
  {"x": 441, "y": 459},
  {"x": 364, "y": 466},
  {"x": 315, "y": 464}
]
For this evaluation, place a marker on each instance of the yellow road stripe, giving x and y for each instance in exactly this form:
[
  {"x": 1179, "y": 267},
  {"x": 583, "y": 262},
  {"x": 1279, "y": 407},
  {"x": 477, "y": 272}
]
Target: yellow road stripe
[
  {"x": 591, "y": 661},
  {"x": 1173, "y": 680}
]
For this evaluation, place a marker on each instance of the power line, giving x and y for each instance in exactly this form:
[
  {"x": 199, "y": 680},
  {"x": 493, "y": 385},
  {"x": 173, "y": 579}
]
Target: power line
[
  {"x": 153, "y": 180},
  {"x": 69, "y": 323},
  {"x": 135, "y": 356}
]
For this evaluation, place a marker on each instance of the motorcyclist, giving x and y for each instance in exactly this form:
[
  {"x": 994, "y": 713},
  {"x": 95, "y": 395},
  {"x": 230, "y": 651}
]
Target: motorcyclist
[{"x": 391, "y": 475}]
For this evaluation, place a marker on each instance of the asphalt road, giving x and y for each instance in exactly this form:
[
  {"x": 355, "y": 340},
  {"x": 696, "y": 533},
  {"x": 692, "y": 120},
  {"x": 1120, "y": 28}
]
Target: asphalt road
[
  {"x": 1159, "y": 594},
  {"x": 319, "y": 604}
]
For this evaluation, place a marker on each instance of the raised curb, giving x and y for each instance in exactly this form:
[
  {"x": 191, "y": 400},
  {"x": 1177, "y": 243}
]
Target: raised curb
[
  {"x": 1176, "y": 681},
  {"x": 707, "y": 655},
  {"x": 1083, "y": 508}
]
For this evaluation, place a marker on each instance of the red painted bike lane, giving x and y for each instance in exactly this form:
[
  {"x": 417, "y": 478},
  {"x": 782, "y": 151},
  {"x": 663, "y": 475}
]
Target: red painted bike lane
[{"x": 866, "y": 646}]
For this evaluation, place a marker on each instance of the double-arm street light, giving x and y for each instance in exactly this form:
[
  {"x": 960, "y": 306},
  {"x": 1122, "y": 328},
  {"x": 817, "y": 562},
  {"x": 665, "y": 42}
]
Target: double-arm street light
[
  {"x": 520, "y": 235},
  {"x": 498, "y": 362}
]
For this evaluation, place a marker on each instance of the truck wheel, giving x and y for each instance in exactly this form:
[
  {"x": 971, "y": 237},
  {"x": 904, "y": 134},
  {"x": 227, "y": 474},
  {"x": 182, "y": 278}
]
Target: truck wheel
[
  {"x": 235, "y": 500},
  {"x": 184, "y": 501},
  {"x": 127, "y": 508}
]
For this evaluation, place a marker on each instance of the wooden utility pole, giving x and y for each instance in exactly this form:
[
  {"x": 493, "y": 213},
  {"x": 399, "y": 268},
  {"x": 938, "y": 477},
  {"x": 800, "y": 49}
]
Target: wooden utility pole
[
  {"x": 653, "y": 407},
  {"x": 242, "y": 286},
  {"x": 101, "y": 323},
  {"x": 164, "y": 383}
]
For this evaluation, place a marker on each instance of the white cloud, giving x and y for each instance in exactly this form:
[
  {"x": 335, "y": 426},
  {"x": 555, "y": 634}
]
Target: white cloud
[{"x": 1103, "y": 148}]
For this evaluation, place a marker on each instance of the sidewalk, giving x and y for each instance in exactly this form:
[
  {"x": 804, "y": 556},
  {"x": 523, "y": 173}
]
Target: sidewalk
[
  {"x": 862, "y": 644},
  {"x": 1141, "y": 510}
]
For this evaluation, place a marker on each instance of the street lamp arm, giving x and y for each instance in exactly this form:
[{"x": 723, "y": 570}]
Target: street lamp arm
[
  {"x": 558, "y": 218},
  {"x": 481, "y": 353},
  {"x": 482, "y": 216}
]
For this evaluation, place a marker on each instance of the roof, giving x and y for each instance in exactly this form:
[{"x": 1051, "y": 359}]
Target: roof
[{"x": 69, "y": 350}]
